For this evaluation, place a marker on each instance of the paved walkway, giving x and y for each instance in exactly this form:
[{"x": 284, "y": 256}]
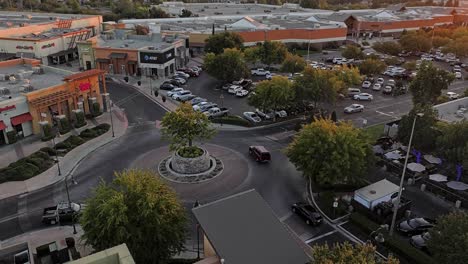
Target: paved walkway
[{"x": 70, "y": 161}]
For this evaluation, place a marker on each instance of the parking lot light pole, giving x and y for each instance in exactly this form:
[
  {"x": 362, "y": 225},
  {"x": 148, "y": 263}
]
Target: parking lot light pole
[{"x": 402, "y": 180}]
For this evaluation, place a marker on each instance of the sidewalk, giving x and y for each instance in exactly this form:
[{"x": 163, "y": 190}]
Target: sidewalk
[{"x": 71, "y": 160}]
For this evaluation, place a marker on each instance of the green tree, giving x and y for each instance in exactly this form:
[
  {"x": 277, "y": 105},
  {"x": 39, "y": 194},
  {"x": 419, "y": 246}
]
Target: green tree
[
  {"x": 218, "y": 42},
  {"x": 228, "y": 66},
  {"x": 124, "y": 8},
  {"x": 252, "y": 55},
  {"x": 74, "y": 6},
  {"x": 156, "y": 12},
  {"x": 410, "y": 65},
  {"x": 392, "y": 61},
  {"x": 425, "y": 132},
  {"x": 388, "y": 47},
  {"x": 273, "y": 52},
  {"x": 329, "y": 153},
  {"x": 347, "y": 253},
  {"x": 315, "y": 85},
  {"x": 186, "y": 13},
  {"x": 372, "y": 67},
  {"x": 140, "y": 210},
  {"x": 314, "y": 4},
  {"x": 428, "y": 84},
  {"x": 439, "y": 41},
  {"x": 185, "y": 125},
  {"x": 352, "y": 52},
  {"x": 293, "y": 63},
  {"x": 452, "y": 144},
  {"x": 458, "y": 46},
  {"x": 449, "y": 238},
  {"x": 274, "y": 94},
  {"x": 345, "y": 77},
  {"x": 415, "y": 41}
]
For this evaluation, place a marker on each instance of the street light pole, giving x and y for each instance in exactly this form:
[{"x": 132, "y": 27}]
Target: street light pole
[
  {"x": 402, "y": 180},
  {"x": 69, "y": 206},
  {"x": 112, "y": 121},
  {"x": 56, "y": 157}
]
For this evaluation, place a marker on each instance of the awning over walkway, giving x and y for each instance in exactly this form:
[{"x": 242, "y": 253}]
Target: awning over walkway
[
  {"x": 2, "y": 125},
  {"x": 117, "y": 55},
  {"x": 102, "y": 60},
  {"x": 132, "y": 62},
  {"x": 21, "y": 119},
  {"x": 63, "y": 52}
]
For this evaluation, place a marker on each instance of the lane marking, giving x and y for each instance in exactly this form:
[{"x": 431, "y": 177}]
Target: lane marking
[
  {"x": 286, "y": 216},
  {"x": 319, "y": 237},
  {"x": 382, "y": 113}
]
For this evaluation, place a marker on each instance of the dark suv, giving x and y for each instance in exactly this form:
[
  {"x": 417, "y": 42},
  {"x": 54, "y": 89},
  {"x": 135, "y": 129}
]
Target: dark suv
[
  {"x": 307, "y": 212},
  {"x": 259, "y": 153}
]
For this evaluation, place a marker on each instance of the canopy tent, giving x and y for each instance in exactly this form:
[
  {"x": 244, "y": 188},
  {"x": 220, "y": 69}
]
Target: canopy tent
[
  {"x": 438, "y": 177},
  {"x": 433, "y": 160},
  {"x": 456, "y": 185},
  {"x": 416, "y": 167}
]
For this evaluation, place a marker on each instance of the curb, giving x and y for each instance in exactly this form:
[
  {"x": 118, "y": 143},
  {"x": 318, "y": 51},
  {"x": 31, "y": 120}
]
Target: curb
[{"x": 73, "y": 169}]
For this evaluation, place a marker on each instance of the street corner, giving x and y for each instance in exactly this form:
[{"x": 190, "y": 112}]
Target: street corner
[{"x": 235, "y": 172}]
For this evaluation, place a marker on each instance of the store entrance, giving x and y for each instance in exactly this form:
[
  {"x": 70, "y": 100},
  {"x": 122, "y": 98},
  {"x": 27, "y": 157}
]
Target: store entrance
[{"x": 2, "y": 138}]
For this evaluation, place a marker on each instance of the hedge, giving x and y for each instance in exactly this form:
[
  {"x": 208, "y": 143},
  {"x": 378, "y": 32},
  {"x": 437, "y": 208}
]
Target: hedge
[
  {"x": 64, "y": 126},
  {"x": 232, "y": 120},
  {"x": 96, "y": 109},
  {"x": 395, "y": 244},
  {"x": 80, "y": 119},
  {"x": 47, "y": 133},
  {"x": 12, "y": 138}
]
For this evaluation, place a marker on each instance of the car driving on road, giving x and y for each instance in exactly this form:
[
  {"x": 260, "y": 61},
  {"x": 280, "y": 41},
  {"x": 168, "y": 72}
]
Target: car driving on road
[
  {"x": 354, "y": 108},
  {"x": 363, "y": 97},
  {"x": 307, "y": 213}
]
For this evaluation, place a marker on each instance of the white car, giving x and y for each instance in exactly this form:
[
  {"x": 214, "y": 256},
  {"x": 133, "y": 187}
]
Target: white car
[
  {"x": 259, "y": 72},
  {"x": 363, "y": 97},
  {"x": 238, "y": 82},
  {"x": 268, "y": 76},
  {"x": 181, "y": 80},
  {"x": 452, "y": 95},
  {"x": 242, "y": 93},
  {"x": 391, "y": 82},
  {"x": 281, "y": 113},
  {"x": 337, "y": 60},
  {"x": 198, "y": 106},
  {"x": 174, "y": 91},
  {"x": 233, "y": 89},
  {"x": 252, "y": 117},
  {"x": 366, "y": 84},
  {"x": 354, "y": 108},
  {"x": 377, "y": 87},
  {"x": 458, "y": 75},
  {"x": 183, "y": 74},
  {"x": 380, "y": 80},
  {"x": 263, "y": 115},
  {"x": 182, "y": 94}
]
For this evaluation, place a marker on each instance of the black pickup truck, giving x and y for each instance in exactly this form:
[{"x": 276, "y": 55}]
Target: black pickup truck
[{"x": 62, "y": 212}]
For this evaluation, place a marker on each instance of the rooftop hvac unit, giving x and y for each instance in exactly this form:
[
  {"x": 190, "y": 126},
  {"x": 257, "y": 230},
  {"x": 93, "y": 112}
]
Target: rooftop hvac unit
[
  {"x": 2, "y": 77},
  {"x": 4, "y": 91},
  {"x": 151, "y": 48}
]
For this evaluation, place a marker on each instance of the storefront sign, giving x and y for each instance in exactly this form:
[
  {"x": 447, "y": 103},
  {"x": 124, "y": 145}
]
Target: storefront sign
[
  {"x": 25, "y": 47},
  {"x": 84, "y": 86},
  {"x": 156, "y": 58},
  {"x": 7, "y": 108},
  {"x": 48, "y": 45}
]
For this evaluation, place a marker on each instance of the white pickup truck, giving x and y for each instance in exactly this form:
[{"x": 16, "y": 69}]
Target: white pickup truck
[
  {"x": 259, "y": 72},
  {"x": 216, "y": 112}
]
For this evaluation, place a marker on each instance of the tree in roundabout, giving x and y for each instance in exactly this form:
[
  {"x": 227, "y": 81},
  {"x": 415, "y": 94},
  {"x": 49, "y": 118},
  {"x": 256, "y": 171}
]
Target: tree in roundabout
[
  {"x": 330, "y": 154},
  {"x": 182, "y": 127},
  {"x": 138, "y": 209}
]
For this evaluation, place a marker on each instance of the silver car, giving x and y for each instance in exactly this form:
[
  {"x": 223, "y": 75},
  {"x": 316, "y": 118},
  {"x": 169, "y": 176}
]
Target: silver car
[
  {"x": 354, "y": 108},
  {"x": 252, "y": 117}
]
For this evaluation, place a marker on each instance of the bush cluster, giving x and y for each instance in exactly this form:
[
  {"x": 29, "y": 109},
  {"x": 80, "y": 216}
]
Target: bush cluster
[
  {"x": 232, "y": 120},
  {"x": 48, "y": 135},
  {"x": 12, "y": 138},
  {"x": 95, "y": 131},
  {"x": 27, "y": 167},
  {"x": 64, "y": 126},
  {"x": 80, "y": 120},
  {"x": 190, "y": 152}
]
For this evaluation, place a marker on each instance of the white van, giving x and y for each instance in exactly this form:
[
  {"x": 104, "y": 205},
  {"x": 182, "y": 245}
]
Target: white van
[{"x": 353, "y": 91}]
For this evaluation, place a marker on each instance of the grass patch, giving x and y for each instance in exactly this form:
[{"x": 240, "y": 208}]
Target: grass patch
[{"x": 374, "y": 132}]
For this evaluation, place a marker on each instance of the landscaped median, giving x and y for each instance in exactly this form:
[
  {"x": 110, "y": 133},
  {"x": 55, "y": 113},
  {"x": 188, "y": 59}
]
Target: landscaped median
[
  {"x": 395, "y": 244},
  {"x": 43, "y": 159}
]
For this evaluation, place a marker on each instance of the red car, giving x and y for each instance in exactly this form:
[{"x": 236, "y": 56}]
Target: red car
[
  {"x": 190, "y": 72},
  {"x": 260, "y": 153}
]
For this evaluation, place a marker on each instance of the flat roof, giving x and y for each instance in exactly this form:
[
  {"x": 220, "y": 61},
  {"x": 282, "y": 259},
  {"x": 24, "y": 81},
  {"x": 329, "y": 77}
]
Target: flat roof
[
  {"x": 10, "y": 19},
  {"x": 25, "y": 75},
  {"x": 377, "y": 190},
  {"x": 243, "y": 229},
  {"x": 55, "y": 32},
  {"x": 453, "y": 111},
  {"x": 130, "y": 41}
]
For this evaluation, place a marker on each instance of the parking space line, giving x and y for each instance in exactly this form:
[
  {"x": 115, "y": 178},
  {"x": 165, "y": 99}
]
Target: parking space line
[
  {"x": 319, "y": 237},
  {"x": 285, "y": 217}
]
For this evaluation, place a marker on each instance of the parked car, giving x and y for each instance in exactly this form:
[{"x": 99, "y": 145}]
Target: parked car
[
  {"x": 415, "y": 226},
  {"x": 391, "y": 82},
  {"x": 366, "y": 84},
  {"x": 458, "y": 75},
  {"x": 281, "y": 113},
  {"x": 197, "y": 100},
  {"x": 198, "y": 106},
  {"x": 216, "y": 112},
  {"x": 259, "y": 153},
  {"x": 191, "y": 72},
  {"x": 185, "y": 97},
  {"x": 252, "y": 117},
  {"x": 62, "y": 212},
  {"x": 269, "y": 76},
  {"x": 174, "y": 91},
  {"x": 238, "y": 82},
  {"x": 233, "y": 89},
  {"x": 177, "y": 96},
  {"x": 226, "y": 86},
  {"x": 353, "y": 91},
  {"x": 242, "y": 93},
  {"x": 246, "y": 83},
  {"x": 354, "y": 108},
  {"x": 452, "y": 95},
  {"x": 259, "y": 72},
  {"x": 376, "y": 87},
  {"x": 175, "y": 82},
  {"x": 182, "y": 74},
  {"x": 266, "y": 116},
  {"x": 420, "y": 241},
  {"x": 182, "y": 81},
  {"x": 363, "y": 97},
  {"x": 307, "y": 213},
  {"x": 380, "y": 80},
  {"x": 207, "y": 107},
  {"x": 167, "y": 86},
  {"x": 387, "y": 90}
]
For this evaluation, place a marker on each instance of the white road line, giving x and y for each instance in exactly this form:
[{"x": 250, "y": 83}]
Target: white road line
[
  {"x": 382, "y": 113},
  {"x": 285, "y": 217},
  {"x": 319, "y": 237}
]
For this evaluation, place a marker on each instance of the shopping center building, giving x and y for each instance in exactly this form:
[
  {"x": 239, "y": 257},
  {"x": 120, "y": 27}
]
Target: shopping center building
[{"x": 31, "y": 93}]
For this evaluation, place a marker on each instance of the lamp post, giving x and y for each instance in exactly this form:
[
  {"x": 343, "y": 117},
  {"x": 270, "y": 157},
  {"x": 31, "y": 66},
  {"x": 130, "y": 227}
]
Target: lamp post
[
  {"x": 56, "y": 157},
  {"x": 69, "y": 205},
  {"x": 402, "y": 180},
  {"x": 112, "y": 121},
  {"x": 195, "y": 205},
  {"x": 379, "y": 237}
]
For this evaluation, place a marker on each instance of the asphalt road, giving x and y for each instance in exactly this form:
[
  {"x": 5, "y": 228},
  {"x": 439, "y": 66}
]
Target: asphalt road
[{"x": 278, "y": 182}]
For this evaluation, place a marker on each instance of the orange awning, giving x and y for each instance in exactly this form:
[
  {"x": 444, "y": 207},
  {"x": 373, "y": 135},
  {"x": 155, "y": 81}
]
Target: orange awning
[
  {"x": 2, "y": 125},
  {"x": 21, "y": 119}
]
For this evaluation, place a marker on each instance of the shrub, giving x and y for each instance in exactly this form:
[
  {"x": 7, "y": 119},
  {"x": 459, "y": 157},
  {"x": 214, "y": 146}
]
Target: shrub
[
  {"x": 64, "y": 126},
  {"x": 49, "y": 151},
  {"x": 80, "y": 119},
  {"x": 190, "y": 152},
  {"x": 88, "y": 134},
  {"x": 395, "y": 244},
  {"x": 40, "y": 155},
  {"x": 96, "y": 109},
  {"x": 103, "y": 126},
  {"x": 232, "y": 120},
  {"x": 12, "y": 138},
  {"x": 365, "y": 43},
  {"x": 62, "y": 145},
  {"x": 47, "y": 133},
  {"x": 74, "y": 141}
]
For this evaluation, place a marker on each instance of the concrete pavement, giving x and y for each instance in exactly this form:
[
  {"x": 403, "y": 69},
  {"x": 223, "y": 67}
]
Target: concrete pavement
[{"x": 69, "y": 162}]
